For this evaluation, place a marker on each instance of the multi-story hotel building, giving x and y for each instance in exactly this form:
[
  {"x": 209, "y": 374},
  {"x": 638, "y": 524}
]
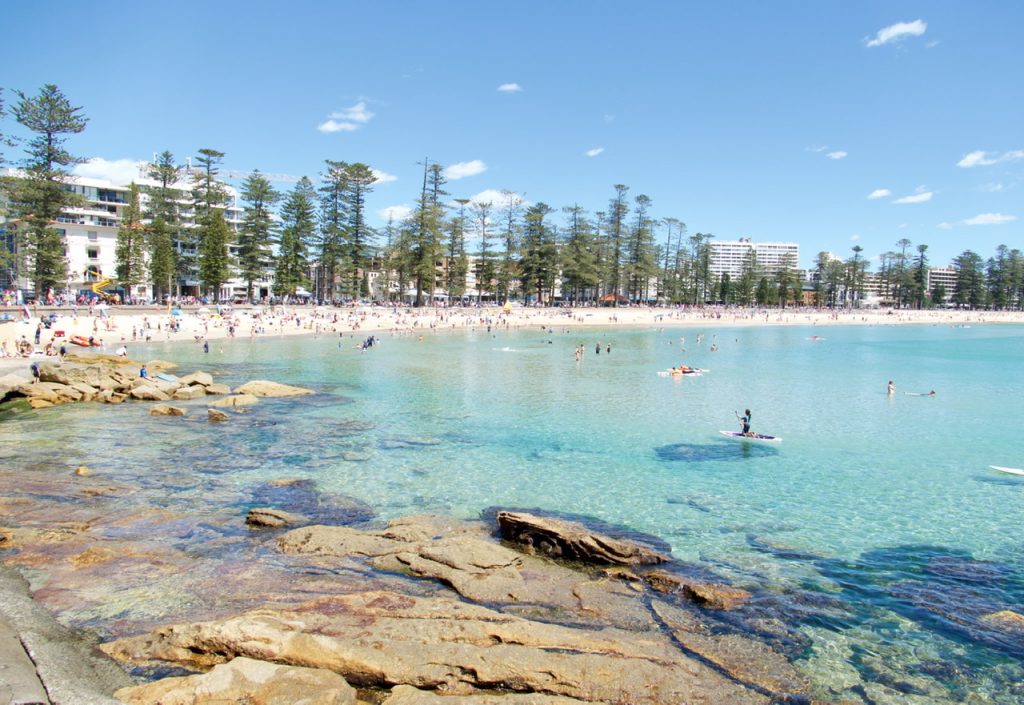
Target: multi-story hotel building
[
  {"x": 730, "y": 256},
  {"x": 90, "y": 236}
]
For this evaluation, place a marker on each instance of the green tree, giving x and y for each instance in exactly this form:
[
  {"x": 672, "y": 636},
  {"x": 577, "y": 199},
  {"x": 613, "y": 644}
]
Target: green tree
[
  {"x": 539, "y": 262},
  {"x": 970, "y": 280},
  {"x": 333, "y": 222},
  {"x": 40, "y": 197},
  {"x": 618, "y": 208},
  {"x": 358, "y": 236},
  {"x": 208, "y": 194},
  {"x": 640, "y": 255},
  {"x": 426, "y": 241},
  {"x": 485, "y": 257},
  {"x": 507, "y": 271},
  {"x": 579, "y": 256},
  {"x": 164, "y": 227},
  {"x": 921, "y": 277},
  {"x": 787, "y": 280},
  {"x": 257, "y": 233},
  {"x": 214, "y": 259},
  {"x": 130, "y": 248},
  {"x": 458, "y": 260},
  {"x": 298, "y": 228}
]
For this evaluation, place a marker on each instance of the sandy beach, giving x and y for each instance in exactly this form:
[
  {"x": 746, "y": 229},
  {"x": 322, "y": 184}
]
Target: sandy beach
[{"x": 134, "y": 327}]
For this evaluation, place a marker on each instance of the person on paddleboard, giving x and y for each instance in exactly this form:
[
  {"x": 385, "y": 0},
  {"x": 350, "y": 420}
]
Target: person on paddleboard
[{"x": 745, "y": 420}]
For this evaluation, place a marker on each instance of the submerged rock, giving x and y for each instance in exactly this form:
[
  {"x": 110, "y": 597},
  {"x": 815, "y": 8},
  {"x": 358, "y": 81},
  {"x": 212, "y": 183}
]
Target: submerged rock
[
  {"x": 266, "y": 517},
  {"x": 407, "y": 695},
  {"x": 712, "y": 595},
  {"x": 569, "y": 540},
  {"x": 165, "y": 410},
  {"x": 216, "y": 416},
  {"x": 235, "y": 400},
  {"x": 246, "y": 680}
]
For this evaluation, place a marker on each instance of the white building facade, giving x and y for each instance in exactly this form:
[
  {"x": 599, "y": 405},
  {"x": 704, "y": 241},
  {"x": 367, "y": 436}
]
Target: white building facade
[
  {"x": 90, "y": 236},
  {"x": 731, "y": 256}
]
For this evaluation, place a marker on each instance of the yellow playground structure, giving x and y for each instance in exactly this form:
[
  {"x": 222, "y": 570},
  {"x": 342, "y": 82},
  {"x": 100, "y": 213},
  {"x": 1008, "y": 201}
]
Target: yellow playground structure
[{"x": 100, "y": 284}]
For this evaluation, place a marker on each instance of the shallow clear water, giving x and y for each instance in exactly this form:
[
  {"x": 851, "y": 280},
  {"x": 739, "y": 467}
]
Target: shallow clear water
[{"x": 886, "y": 504}]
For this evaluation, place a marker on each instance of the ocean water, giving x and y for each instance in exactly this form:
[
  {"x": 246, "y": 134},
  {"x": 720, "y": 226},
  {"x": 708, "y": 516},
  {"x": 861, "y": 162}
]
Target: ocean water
[{"x": 881, "y": 508}]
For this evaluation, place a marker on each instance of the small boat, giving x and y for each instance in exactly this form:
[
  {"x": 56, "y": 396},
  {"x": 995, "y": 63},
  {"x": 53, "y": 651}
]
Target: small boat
[
  {"x": 752, "y": 437},
  {"x": 1012, "y": 471}
]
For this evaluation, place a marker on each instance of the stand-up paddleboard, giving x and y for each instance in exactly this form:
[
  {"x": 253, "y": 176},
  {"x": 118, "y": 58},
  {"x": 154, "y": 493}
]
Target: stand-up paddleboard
[
  {"x": 754, "y": 437},
  {"x": 1012, "y": 471}
]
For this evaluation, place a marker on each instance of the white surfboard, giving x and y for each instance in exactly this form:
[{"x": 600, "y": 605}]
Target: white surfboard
[
  {"x": 756, "y": 437},
  {"x": 1012, "y": 471}
]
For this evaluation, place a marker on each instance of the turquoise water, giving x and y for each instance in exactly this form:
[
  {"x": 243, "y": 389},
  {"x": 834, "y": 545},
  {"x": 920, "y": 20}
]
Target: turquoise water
[{"x": 885, "y": 505}]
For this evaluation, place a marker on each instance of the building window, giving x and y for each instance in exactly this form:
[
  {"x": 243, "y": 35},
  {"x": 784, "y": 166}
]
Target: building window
[
  {"x": 92, "y": 235},
  {"x": 92, "y": 252}
]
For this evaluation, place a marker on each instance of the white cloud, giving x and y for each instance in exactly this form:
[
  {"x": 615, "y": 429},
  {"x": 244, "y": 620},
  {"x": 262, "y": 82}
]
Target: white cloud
[
  {"x": 879, "y": 193},
  {"x": 357, "y": 113},
  {"x": 498, "y": 199},
  {"x": 335, "y": 126},
  {"x": 991, "y": 188},
  {"x": 398, "y": 213},
  {"x": 897, "y": 33},
  {"x": 461, "y": 170},
  {"x": 347, "y": 119},
  {"x": 921, "y": 196},
  {"x": 855, "y": 237},
  {"x": 816, "y": 148},
  {"x": 982, "y": 158},
  {"x": 838, "y": 154},
  {"x": 990, "y": 219},
  {"x": 594, "y": 152},
  {"x": 120, "y": 172},
  {"x": 510, "y": 88},
  {"x": 382, "y": 177},
  {"x": 946, "y": 226}
]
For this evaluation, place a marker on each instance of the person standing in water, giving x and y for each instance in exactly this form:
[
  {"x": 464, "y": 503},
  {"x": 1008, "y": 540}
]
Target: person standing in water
[
  {"x": 745, "y": 420},
  {"x": 891, "y": 389}
]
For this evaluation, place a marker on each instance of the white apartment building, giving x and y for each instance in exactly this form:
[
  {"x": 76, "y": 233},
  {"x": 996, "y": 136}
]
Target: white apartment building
[
  {"x": 730, "y": 256},
  {"x": 90, "y": 234}
]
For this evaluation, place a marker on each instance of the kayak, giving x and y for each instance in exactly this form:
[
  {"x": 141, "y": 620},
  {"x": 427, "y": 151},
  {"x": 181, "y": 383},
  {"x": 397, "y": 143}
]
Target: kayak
[
  {"x": 753, "y": 437},
  {"x": 1012, "y": 471}
]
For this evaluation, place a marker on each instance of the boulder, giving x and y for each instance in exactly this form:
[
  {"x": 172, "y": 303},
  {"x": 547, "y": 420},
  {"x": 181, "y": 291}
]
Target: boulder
[
  {"x": 149, "y": 392},
  {"x": 70, "y": 373},
  {"x": 235, "y": 400},
  {"x": 39, "y": 391},
  {"x": 165, "y": 410},
  {"x": 262, "y": 388},
  {"x": 40, "y": 403},
  {"x": 192, "y": 392},
  {"x": 216, "y": 416},
  {"x": 1006, "y": 621},
  {"x": 558, "y": 538},
  {"x": 269, "y": 518},
  {"x": 203, "y": 379},
  {"x": 88, "y": 391},
  {"x": 383, "y": 638},
  {"x": 245, "y": 680},
  {"x": 216, "y": 388}
]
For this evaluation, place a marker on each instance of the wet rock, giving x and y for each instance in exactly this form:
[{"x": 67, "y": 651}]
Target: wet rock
[
  {"x": 717, "y": 596},
  {"x": 165, "y": 410},
  {"x": 245, "y": 680},
  {"x": 202, "y": 379},
  {"x": 217, "y": 388},
  {"x": 39, "y": 391},
  {"x": 235, "y": 400},
  {"x": 301, "y": 496},
  {"x": 263, "y": 388},
  {"x": 568, "y": 540},
  {"x": 39, "y": 403},
  {"x": 216, "y": 416},
  {"x": 83, "y": 470},
  {"x": 407, "y": 695},
  {"x": 269, "y": 518},
  {"x": 382, "y": 638}
]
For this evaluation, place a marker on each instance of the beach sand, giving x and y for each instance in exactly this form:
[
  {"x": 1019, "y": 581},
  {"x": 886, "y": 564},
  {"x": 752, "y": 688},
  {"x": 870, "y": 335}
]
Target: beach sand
[{"x": 133, "y": 327}]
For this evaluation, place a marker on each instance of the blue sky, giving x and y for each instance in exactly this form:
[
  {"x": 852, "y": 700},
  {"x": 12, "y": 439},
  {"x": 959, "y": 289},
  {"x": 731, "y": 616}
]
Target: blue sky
[{"x": 830, "y": 124}]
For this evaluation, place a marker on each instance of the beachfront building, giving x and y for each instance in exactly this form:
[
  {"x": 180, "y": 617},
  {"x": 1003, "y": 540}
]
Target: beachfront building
[
  {"x": 90, "y": 235},
  {"x": 733, "y": 256},
  {"x": 944, "y": 277}
]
